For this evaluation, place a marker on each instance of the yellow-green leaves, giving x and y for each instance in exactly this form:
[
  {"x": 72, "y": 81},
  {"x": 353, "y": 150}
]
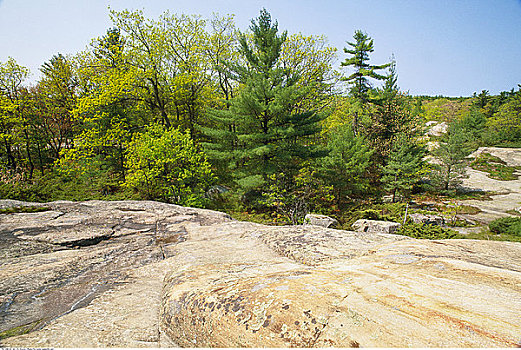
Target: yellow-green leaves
[{"x": 166, "y": 165}]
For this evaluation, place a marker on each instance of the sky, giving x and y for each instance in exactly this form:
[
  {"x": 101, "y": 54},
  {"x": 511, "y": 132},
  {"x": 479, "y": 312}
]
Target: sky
[{"x": 441, "y": 47}]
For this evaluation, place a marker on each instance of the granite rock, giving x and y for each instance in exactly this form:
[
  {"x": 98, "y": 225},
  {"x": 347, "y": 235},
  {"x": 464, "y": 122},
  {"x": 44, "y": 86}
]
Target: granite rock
[
  {"x": 375, "y": 226},
  {"x": 147, "y": 274},
  {"x": 320, "y": 220}
]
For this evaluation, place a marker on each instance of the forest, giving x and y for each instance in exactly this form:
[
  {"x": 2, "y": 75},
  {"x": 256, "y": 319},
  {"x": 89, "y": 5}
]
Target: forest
[{"x": 263, "y": 124}]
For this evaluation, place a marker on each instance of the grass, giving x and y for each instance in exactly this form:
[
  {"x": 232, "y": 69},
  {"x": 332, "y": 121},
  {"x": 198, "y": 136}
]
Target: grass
[
  {"x": 436, "y": 197},
  {"x": 486, "y": 234},
  {"x": 495, "y": 167}
]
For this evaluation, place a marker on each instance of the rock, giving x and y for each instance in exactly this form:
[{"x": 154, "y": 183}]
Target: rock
[
  {"x": 375, "y": 226},
  {"x": 184, "y": 277},
  {"x": 438, "y": 129},
  {"x": 418, "y": 218},
  {"x": 511, "y": 156},
  {"x": 504, "y": 196},
  {"x": 320, "y": 220},
  {"x": 57, "y": 261}
]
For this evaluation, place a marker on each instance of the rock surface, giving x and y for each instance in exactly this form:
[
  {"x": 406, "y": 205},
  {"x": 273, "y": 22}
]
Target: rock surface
[
  {"x": 506, "y": 195},
  {"x": 418, "y": 218},
  {"x": 375, "y": 226},
  {"x": 320, "y": 220},
  {"x": 146, "y": 274},
  {"x": 436, "y": 129}
]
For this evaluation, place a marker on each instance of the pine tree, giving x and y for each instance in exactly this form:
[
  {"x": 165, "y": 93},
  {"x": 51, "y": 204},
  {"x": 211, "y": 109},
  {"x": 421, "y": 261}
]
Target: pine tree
[
  {"x": 262, "y": 132},
  {"x": 359, "y": 61},
  {"x": 451, "y": 153},
  {"x": 392, "y": 116},
  {"x": 403, "y": 168},
  {"x": 346, "y": 165}
]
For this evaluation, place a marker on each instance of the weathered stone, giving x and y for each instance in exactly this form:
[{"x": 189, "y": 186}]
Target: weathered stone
[
  {"x": 375, "y": 226},
  {"x": 172, "y": 276},
  {"x": 320, "y": 220},
  {"x": 56, "y": 261},
  {"x": 438, "y": 129},
  {"x": 418, "y": 218},
  {"x": 504, "y": 195}
]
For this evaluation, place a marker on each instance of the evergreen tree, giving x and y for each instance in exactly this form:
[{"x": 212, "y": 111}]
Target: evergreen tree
[
  {"x": 451, "y": 153},
  {"x": 346, "y": 165},
  {"x": 403, "y": 168},
  {"x": 359, "y": 79},
  {"x": 262, "y": 132},
  {"x": 391, "y": 117}
]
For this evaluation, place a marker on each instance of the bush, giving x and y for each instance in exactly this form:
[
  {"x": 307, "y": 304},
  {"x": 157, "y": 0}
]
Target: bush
[
  {"x": 509, "y": 226},
  {"x": 424, "y": 231},
  {"x": 166, "y": 165}
]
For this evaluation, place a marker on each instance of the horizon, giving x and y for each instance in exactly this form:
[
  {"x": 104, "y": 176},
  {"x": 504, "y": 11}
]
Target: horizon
[{"x": 442, "y": 48}]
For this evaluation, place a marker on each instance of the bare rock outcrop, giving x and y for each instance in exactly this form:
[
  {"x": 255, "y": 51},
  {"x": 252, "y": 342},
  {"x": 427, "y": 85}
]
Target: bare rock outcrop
[
  {"x": 375, "y": 226},
  {"x": 505, "y": 195},
  {"x": 146, "y": 274},
  {"x": 418, "y": 218},
  {"x": 320, "y": 220}
]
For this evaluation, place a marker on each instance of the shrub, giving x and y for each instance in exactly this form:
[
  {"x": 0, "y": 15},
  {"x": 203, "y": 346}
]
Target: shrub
[
  {"x": 424, "y": 231},
  {"x": 166, "y": 165},
  {"x": 509, "y": 226}
]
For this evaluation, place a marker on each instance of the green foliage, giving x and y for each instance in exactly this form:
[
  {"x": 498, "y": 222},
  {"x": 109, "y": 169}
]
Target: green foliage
[
  {"x": 392, "y": 117},
  {"x": 359, "y": 79},
  {"x": 505, "y": 124},
  {"x": 359, "y": 61},
  {"x": 451, "y": 156},
  {"x": 166, "y": 165},
  {"x": 496, "y": 167},
  {"x": 509, "y": 226},
  {"x": 425, "y": 231},
  {"x": 20, "y": 330},
  {"x": 445, "y": 109},
  {"x": 95, "y": 183},
  {"x": 382, "y": 211},
  {"x": 346, "y": 165},
  {"x": 264, "y": 131},
  {"x": 297, "y": 196},
  {"x": 474, "y": 124},
  {"x": 30, "y": 209},
  {"x": 404, "y": 168}
]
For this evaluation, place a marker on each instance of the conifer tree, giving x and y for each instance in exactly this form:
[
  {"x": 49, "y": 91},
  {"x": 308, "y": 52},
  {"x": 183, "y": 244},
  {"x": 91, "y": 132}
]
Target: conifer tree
[
  {"x": 359, "y": 79},
  {"x": 346, "y": 165},
  {"x": 403, "y": 168},
  {"x": 262, "y": 131},
  {"x": 392, "y": 116},
  {"x": 451, "y": 153}
]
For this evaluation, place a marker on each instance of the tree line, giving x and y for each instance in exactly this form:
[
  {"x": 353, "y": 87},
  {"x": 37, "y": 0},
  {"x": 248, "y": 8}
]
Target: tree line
[{"x": 195, "y": 112}]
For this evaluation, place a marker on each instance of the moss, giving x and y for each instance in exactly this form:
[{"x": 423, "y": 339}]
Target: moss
[
  {"x": 495, "y": 167},
  {"x": 20, "y": 330},
  {"x": 31, "y": 209},
  {"x": 491, "y": 236}
]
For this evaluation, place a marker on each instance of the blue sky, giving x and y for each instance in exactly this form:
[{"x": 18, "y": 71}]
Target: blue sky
[{"x": 449, "y": 47}]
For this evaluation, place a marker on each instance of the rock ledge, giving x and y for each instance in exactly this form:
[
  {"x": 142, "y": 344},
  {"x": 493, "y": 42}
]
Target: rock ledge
[{"x": 165, "y": 275}]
